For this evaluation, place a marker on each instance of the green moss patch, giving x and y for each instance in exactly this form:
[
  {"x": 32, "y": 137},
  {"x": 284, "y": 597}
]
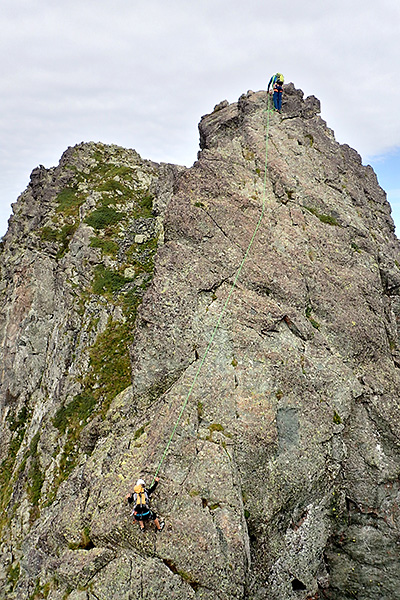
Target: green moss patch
[
  {"x": 336, "y": 418},
  {"x": 85, "y": 542},
  {"x": 327, "y": 219},
  {"x": 200, "y": 410},
  {"x": 141, "y": 256},
  {"x": 18, "y": 422},
  {"x": 139, "y": 432},
  {"x": 313, "y": 322},
  {"x": 17, "y": 425},
  {"x": 110, "y": 368},
  {"x": 130, "y": 301},
  {"x": 35, "y": 474},
  {"x": 13, "y": 575},
  {"x": 69, "y": 200},
  {"x": 355, "y": 247},
  {"x": 217, "y": 427},
  {"x": 67, "y": 464},
  {"x": 103, "y": 217},
  {"x": 106, "y": 245},
  {"x": 105, "y": 170},
  {"x": 40, "y": 592},
  {"x": 107, "y": 281},
  {"x": 310, "y": 139},
  {"x": 112, "y": 185},
  {"x": 70, "y": 419},
  {"x": 76, "y": 413},
  {"x": 61, "y": 236},
  {"x": 109, "y": 374},
  {"x": 144, "y": 201}
]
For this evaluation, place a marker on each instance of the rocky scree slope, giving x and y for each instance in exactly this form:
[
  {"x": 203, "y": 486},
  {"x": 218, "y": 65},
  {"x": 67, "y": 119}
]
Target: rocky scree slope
[{"x": 282, "y": 481}]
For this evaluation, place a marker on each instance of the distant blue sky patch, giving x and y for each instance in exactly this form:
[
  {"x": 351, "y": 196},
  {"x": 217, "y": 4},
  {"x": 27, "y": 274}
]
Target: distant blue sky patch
[{"x": 387, "y": 168}]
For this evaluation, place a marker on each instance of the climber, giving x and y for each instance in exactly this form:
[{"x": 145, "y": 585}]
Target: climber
[
  {"x": 277, "y": 77},
  {"x": 140, "y": 496},
  {"x": 277, "y": 83},
  {"x": 278, "y": 91}
]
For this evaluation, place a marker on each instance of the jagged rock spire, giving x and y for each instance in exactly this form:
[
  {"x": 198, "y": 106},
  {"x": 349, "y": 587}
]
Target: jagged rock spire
[{"x": 282, "y": 479}]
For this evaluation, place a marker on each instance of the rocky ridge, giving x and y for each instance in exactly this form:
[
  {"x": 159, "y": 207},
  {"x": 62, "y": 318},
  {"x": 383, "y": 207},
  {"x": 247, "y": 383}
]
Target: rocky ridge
[{"x": 282, "y": 481}]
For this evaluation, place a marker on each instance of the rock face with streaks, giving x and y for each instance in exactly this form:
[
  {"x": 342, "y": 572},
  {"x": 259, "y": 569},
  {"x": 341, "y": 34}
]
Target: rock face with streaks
[{"x": 254, "y": 308}]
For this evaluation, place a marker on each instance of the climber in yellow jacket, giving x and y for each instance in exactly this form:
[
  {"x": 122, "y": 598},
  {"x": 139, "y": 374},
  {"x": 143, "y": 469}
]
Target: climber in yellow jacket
[{"x": 140, "y": 499}]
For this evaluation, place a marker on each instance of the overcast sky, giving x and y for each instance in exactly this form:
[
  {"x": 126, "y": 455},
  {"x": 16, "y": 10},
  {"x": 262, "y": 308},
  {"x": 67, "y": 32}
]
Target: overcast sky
[{"x": 141, "y": 74}]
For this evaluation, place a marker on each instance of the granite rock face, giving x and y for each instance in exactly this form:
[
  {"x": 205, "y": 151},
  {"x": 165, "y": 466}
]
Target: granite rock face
[{"x": 281, "y": 480}]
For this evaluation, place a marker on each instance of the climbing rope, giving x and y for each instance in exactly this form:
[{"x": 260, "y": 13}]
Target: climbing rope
[{"x": 227, "y": 299}]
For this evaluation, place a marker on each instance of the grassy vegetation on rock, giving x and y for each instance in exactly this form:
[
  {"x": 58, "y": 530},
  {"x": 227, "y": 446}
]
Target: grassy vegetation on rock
[
  {"x": 17, "y": 426},
  {"x": 327, "y": 219},
  {"x": 106, "y": 245},
  {"x": 69, "y": 200},
  {"x": 61, "y": 236},
  {"x": 103, "y": 217},
  {"x": 36, "y": 477},
  {"x": 120, "y": 206}
]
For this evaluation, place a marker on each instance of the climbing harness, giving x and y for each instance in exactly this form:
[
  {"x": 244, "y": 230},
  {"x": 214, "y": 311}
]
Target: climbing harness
[{"x": 268, "y": 111}]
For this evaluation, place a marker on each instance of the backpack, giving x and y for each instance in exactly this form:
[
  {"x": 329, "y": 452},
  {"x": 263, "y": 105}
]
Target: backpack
[
  {"x": 279, "y": 78},
  {"x": 140, "y": 497}
]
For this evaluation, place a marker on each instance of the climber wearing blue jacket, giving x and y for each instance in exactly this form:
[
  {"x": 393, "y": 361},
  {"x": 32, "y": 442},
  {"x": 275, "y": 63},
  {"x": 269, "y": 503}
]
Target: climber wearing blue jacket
[
  {"x": 277, "y": 77},
  {"x": 277, "y": 82}
]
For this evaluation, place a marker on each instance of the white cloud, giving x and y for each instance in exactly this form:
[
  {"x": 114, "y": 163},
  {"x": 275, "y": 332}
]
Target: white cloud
[{"x": 141, "y": 74}]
